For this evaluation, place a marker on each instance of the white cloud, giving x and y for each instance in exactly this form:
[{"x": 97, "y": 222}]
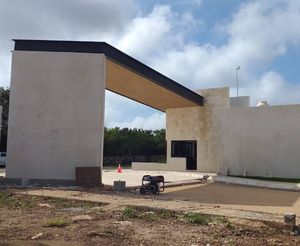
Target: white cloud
[
  {"x": 272, "y": 87},
  {"x": 123, "y": 112},
  {"x": 57, "y": 19},
  {"x": 5, "y": 61},
  {"x": 114, "y": 107},
  {"x": 154, "y": 121},
  {"x": 154, "y": 35},
  {"x": 258, "y": 33},
  {"x": 144, "y": 34}
]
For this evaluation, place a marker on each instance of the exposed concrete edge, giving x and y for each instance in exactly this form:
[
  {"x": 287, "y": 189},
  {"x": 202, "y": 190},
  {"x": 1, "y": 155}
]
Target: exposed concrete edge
[
  {"x": 10, "y": 181},
  {"x": 257, "y": 183},
  {"x": 18, "y": 182},
  {"x": 184, "y": 182},
  {"x": 171, "y": 184},
  {"x": 52, "y": 182}
]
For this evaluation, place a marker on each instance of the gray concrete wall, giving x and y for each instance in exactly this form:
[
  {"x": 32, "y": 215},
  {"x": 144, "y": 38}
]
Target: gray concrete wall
[
  {"x": 263, "y": 141},
  {"x": 56, "y": 114}
]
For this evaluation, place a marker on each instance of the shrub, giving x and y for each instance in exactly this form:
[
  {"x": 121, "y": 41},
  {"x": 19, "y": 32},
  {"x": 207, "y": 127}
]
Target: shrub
[
  {"x": 130, "y": 212},
  {"x": 197, "y": 218},
  {"x": 57, "y": 222}
]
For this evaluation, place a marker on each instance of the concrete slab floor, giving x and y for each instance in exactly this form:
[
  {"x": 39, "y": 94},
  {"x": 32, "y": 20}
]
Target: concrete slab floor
[
  {"x": 238, "y": 197},
  {"x": 134, "y": 177}
]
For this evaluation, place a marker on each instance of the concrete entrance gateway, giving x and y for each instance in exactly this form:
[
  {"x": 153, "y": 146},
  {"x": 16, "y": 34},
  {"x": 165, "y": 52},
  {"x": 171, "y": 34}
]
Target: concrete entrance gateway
[{"x": 56, "y": 114}]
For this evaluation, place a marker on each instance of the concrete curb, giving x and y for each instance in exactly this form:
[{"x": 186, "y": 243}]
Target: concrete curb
[
  {"x": 185, "y": 182},
  {"x": 257, "y": 183}
]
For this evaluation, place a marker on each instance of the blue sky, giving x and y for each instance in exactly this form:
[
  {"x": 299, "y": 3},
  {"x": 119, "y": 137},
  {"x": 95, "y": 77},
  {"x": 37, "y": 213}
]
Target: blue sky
[{"x": 195, "y": 42}]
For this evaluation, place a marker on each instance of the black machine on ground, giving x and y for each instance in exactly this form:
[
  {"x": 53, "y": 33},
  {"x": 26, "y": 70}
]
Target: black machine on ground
[{"x": 152, "y": 185}]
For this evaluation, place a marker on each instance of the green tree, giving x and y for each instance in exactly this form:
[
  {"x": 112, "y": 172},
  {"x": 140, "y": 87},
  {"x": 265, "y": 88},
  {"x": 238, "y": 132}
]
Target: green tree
[
  {"x": 119, "y": 142},
  {"x": 4, "y": 102}
]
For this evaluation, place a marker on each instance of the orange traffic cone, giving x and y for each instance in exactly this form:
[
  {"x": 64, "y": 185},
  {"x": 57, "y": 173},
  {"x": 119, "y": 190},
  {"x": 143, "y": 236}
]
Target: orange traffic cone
[{"x": 119, "y": 169}]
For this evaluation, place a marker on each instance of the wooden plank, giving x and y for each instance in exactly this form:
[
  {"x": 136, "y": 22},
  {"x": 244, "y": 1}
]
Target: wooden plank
[{"x": 126, "y": 82}]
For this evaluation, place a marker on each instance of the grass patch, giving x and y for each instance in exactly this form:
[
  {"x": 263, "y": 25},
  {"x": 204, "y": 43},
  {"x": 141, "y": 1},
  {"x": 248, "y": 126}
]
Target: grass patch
[
  {"x": 197, "y": 218},
  {"x": 222, "y": 220},
  {"x": 8, "y": 199},
  {"x": 147, "y": 214},
  {"x": 67, "y": 203},
  {"x": 225, "y": 221},
  {"x": 267, "y": 178},
  {"x": 156, "y": 216},
  {"x": 19, "y": 201},
  {"x": 129, "y": 213},
  {"x": 167, "y": 214},
  {"x": 150, "y": 216},
  {"x": 56, "y": 222}
]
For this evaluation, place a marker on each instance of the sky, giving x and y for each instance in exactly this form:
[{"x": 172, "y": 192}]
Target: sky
[{"x": 197, "y": 43}]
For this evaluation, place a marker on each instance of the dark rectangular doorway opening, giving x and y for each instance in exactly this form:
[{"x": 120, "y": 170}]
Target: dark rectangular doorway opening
[{"x": 187, "y": 149}]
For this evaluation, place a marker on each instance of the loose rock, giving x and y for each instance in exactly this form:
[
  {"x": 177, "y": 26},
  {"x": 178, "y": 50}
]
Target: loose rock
[
  {"x": 37, "y": 236},
  {"x": 45, "y": 205},
  {"x": 81, "y": 218},
  {"x": 75, "y": 209},
  {"x": 123, "y": 223}
]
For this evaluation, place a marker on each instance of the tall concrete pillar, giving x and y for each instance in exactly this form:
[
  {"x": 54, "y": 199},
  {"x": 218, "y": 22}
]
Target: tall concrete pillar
[{"x": 56, "y": 115}]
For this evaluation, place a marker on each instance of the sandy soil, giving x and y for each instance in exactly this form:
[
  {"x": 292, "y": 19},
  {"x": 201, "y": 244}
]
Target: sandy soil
[{"x": 23, "y": 217}]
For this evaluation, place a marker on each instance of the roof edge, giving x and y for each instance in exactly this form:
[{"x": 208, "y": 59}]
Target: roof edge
[{"x": 113, "y": 54}]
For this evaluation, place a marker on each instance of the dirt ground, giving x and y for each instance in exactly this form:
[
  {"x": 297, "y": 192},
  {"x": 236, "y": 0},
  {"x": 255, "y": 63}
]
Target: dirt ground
[
  {"x": 55, "y": 221},
  {"x": 212, "y": 198}
]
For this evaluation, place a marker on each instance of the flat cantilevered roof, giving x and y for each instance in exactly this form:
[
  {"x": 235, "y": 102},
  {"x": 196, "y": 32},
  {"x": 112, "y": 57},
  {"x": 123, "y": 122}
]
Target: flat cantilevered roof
[{"x": 124, "y": 74}]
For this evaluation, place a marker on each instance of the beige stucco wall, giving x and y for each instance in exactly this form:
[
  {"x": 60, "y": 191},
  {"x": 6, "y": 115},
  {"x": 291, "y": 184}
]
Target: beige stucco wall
[
  {"x": 185, "y": 124},
  {"x": 197, "y": 123},
  {"x": 193, "y": 123},
  {"x": 264, "y": 141},
  {"x": 56, "y": 114}
]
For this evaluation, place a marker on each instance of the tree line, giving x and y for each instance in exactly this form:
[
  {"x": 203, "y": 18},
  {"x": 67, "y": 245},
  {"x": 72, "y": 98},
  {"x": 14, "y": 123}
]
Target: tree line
[
  {"x": 133, "y": 142},
  {"x": 4, "y": 102}
]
